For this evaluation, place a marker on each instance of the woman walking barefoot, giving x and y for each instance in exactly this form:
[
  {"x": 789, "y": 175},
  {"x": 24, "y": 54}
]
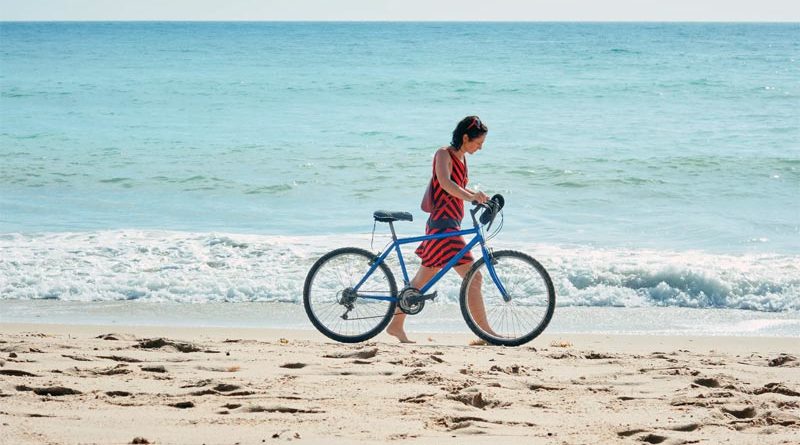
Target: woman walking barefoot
[{"x": 449, "y": 190}]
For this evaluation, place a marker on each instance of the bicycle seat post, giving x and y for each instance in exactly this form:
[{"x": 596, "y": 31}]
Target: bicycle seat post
[{"x": 394, "y": 235}]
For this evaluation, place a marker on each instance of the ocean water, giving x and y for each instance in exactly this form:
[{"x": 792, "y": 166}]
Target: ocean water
[{"x": 645, "y": 165}]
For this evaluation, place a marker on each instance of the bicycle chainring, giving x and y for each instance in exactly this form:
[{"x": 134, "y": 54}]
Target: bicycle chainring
[{"x": 404, "y": 303}]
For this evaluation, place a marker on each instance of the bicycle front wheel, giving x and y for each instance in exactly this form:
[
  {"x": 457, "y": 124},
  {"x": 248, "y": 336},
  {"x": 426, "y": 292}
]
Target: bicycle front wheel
[
  {"x": 508, "y": 302},
  {"x": 337, "y": 310}
]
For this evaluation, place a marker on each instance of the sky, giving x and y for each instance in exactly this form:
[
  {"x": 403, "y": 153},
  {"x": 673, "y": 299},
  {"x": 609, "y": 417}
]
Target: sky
[{"x": 405, "y": 10}]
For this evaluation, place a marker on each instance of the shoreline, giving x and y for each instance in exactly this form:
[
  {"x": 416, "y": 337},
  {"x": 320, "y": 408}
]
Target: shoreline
[
  {"x": 111, "y": 384},
  {"x": 628, "y": 342},
  {"x": 438, "y": 317}
]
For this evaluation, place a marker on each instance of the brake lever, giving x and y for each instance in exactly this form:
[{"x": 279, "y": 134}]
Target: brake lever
[{"x": 489, "y": 227}]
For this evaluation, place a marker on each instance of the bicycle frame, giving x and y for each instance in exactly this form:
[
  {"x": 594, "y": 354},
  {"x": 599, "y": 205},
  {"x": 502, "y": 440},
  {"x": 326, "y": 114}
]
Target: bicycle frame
[{"x": 397, "y": 242}]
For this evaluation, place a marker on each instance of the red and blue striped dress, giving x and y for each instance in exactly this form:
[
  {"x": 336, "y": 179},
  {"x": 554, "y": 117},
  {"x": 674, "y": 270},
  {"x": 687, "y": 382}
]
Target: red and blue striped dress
[{"x": 446, "y": 216}]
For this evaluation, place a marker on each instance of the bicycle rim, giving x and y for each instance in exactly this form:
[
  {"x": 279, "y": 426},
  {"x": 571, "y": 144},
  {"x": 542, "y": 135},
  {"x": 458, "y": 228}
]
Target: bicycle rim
[
  {"x": 520, "y": 317},
  {"x": 325, "y": 296}
]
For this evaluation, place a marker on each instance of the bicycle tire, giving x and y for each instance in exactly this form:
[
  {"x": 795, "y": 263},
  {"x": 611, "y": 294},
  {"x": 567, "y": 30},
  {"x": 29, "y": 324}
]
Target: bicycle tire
[
  {"x": 538, "y": 296},
  {"x": 357, "y": 257}
]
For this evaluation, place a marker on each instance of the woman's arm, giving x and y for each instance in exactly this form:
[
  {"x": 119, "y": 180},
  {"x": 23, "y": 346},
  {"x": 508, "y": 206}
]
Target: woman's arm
[{"x": 443, "y": 167}]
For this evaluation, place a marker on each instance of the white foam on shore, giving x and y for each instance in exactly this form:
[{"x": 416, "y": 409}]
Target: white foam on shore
[{"x": 210, "y": 267}]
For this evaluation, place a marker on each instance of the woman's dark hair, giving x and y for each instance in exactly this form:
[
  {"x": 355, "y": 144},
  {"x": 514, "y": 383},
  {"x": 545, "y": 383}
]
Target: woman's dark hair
[{"x": 471, "y": 126}]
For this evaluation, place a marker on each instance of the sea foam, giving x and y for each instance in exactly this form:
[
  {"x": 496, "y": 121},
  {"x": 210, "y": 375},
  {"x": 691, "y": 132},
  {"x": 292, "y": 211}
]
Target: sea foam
[{"x": 189, "y": 267}]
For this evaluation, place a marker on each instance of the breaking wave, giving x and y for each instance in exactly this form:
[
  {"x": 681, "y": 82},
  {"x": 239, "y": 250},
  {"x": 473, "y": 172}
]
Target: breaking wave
[{"x": 206, "y": 267}]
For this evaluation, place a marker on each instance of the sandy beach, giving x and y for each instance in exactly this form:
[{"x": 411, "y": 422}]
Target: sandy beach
[{"x": 64, "y": 384}]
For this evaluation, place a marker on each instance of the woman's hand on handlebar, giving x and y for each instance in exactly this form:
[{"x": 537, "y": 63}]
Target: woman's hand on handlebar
[{"x": 479, "y": 198}]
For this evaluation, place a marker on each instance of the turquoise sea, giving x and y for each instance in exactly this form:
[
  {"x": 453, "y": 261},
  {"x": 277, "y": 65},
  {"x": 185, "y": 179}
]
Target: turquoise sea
[{"x": 647, "y": 165}]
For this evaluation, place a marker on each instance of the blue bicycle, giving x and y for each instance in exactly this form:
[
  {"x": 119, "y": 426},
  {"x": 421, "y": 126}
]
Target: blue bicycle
[{"x": 350, "y": 294}]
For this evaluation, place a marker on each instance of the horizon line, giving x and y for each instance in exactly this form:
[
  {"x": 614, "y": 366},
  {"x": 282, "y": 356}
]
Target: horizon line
[{"x": 389, "y": 21}]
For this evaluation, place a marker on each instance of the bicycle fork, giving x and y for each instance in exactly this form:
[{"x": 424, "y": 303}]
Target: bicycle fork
[{"x": 488, "y": 257}]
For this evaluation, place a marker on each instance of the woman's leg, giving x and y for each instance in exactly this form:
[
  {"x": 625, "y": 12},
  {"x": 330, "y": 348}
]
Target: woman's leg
[
  {"x": 474, "y": 297},
  {"x": 395, "y": 328}
]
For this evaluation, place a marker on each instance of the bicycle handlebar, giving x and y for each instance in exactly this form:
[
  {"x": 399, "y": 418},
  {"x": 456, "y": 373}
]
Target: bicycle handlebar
[{"x": 492, "y": 208}]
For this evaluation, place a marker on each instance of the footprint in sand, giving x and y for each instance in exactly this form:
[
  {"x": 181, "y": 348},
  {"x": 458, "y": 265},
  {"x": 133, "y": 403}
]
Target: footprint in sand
[
  {"x": 747, "y": 418},
  {"x": 116, "y": 337},
  {"x": 783, "y": 360},
  {"x": 53, "y": 391},
  {"x": 740, "y": 411},
  {"x": 455, "y": 423},
  {"x": 514, "y": 370},
  {"x": 599, "y": 356},
  {"x": 158, "y": 343},
  {"x": 539, "y": 387},
  {"x": 224, "y": 389},
  {"x": 118, "y": 393},
  {"x": 182, "y": 405},
  {"x": 157, "y": 369},
  {"x": 199, "y": 384},
  {"x": 114, "y": 370},
  {"x": 707, "y": 382},
  {"x": 653, "y": 438},
  {"x": 419, "y": 398},
  {"x": 421, "y": 375},
  {"x": 16, "y": 373},
  {"x": 777, "y": 388},
  {"x": 294, "y": 365},
  {"x": 648, "y": 437},
  {"x": 628, "y": 433},
  {"x": 562, "y": 355},
  {"x": 721, "y": 381},
  {"x": 477, "y": 400}
]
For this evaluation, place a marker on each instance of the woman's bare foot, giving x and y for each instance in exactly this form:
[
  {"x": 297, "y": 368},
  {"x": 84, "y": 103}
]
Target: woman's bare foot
[{"x": 400, "y": 334}]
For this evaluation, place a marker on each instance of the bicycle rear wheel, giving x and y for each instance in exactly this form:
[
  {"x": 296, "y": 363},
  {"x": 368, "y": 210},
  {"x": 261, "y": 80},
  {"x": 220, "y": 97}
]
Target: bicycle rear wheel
[
  {"x": 520, "y": 316},
  {"x": 339, "y": 312}
]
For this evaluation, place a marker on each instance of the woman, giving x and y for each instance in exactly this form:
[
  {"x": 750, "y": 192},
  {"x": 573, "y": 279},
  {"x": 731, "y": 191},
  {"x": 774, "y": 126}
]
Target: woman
[{"x": 449, "y": 191}]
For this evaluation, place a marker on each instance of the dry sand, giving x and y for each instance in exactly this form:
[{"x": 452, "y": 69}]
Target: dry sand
[{"x": 116, "y": 385}]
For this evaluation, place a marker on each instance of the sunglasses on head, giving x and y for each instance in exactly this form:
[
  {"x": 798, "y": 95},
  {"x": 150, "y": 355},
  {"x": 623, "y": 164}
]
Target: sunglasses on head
[{"x": 476, "y": 122}]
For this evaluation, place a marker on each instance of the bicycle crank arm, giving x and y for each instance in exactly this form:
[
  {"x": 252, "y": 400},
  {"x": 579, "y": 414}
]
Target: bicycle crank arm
[{"x": 421, "y": 298}]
